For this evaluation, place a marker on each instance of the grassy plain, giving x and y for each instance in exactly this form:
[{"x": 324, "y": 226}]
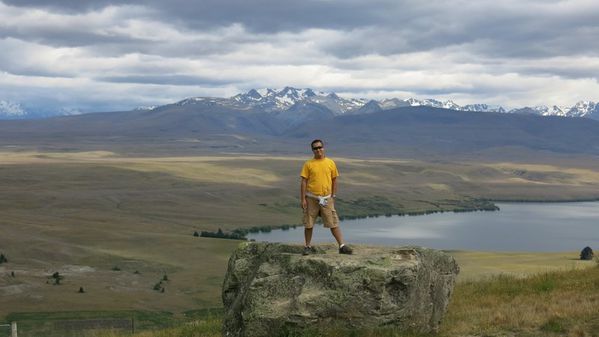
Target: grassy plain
[
  {"x": 548, "y": 304},
  {"x": 115, "y": 225}
]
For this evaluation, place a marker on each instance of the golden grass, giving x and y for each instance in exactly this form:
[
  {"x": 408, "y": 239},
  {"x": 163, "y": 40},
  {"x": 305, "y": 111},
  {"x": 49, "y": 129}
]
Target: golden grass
[
  {"x": 564, "y": 303},
  {"x": 206, "y": 172},
  {"x": 478, "y": 265},
  {"x": 554, "y": 174}
]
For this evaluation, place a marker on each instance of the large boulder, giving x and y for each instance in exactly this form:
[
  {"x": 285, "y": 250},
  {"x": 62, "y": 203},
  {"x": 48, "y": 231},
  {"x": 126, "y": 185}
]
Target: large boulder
[
  {"x": 270, "y": 289},
  {"x": 586, "y": 253}
]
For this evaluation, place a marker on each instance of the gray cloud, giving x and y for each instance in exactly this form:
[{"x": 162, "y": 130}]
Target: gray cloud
[
  {"x": 185, "y": 80},
  {"x": 509, "y": 29},
  {"x": 257, "y": 15},
  {"x": 67, "y": 6},
  {"x": 484, "y": 49}
]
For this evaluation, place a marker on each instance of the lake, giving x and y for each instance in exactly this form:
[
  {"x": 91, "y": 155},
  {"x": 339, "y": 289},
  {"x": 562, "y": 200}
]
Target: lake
[{"x": 515, "y": 227}]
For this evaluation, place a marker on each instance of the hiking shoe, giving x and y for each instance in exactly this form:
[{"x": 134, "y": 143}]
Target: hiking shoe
[
  {"x": 308, "y": 250},
  {"x": 345, "y": 249}
]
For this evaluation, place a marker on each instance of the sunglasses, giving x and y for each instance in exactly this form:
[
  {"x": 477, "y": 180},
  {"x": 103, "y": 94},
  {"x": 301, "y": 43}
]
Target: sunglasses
[{"x": 317, "y": 148}]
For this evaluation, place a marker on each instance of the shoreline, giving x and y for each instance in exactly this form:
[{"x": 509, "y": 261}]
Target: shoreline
[
  {"x": 541, "y": 201},
  {"x": 491, "y": 208}
]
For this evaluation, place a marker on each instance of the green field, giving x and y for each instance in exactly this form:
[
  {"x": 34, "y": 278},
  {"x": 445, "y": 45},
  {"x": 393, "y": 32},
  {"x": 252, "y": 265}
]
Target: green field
[{"x": 116, "y": 225}]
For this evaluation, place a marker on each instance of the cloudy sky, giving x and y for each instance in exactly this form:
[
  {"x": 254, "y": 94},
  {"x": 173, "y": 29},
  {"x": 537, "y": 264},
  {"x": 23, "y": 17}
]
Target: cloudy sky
[{"x": 106, "y": 55}]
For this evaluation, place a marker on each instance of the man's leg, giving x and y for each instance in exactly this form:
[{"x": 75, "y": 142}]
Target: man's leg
[
  {"x": 307, "y": 236},
  {"x": 310, "y": 214},
  {"x": 331, "y": 220},
  {"x": 337, "y": 235},
  {"x": 343, "y": 248}
]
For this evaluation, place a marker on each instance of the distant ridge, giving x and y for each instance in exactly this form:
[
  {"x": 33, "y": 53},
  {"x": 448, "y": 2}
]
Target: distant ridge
[
  {"x": 209, "y": 125},
  {"x": 280, "y": 100},
  {"x": 277, "y": 100}
]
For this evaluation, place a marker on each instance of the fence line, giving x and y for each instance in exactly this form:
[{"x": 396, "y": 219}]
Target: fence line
[
  {"x": 83, "y": 324},
  {"x": 89, "y": 324},
  {"x": 13, "y": 328}
]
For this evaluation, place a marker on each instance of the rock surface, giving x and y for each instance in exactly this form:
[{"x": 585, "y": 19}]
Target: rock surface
[
  {"x": 271, "y": 288},
  {"x": 586, "y": 253}
]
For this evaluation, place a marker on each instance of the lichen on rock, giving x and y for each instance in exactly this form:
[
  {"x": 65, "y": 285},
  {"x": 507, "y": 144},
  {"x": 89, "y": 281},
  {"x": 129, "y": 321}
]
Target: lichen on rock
[{"x": 270, "y": 288}]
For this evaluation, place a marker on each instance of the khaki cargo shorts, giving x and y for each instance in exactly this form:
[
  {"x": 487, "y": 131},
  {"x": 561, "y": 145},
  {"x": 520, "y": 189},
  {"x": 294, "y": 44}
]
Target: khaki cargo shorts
[{"x": 327, "y": 213}]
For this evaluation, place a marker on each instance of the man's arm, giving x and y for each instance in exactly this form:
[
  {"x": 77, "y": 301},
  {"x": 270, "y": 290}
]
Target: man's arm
[
  {"x": 303, "y": 185},
  {"x": 334, "y": 192}
]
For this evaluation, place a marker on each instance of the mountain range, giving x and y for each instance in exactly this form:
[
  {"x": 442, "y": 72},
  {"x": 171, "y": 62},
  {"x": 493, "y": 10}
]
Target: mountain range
[
  {"x": 282, "y": 121},
  {"x": 278, "y": 101},
  {"x": 9, "y": 110},
  {"x": 296, "y": 105},
  {"x": 15, "y": 110}
]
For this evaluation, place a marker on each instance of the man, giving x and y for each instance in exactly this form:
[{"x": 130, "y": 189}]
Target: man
[{"x": 317, "y": 196}]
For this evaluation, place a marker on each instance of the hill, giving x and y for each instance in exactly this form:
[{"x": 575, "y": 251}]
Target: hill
[
  {"x": 412, "y": 130},
  {"x": 203, "y": 126}
]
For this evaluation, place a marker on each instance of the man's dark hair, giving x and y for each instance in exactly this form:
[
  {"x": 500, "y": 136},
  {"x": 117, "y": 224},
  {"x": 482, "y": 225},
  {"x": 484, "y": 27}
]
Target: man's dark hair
[{"x": 316, "y": 141}]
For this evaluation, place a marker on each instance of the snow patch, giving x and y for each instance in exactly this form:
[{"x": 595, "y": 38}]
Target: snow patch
[{"x": 11, "y": 109}]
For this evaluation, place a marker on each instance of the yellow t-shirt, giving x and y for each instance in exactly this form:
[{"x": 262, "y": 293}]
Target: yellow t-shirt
[{"x": 320, "y": 174}]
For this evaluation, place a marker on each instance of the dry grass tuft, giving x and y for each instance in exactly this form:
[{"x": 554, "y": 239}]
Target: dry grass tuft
[{"x": 563, "y": 302}]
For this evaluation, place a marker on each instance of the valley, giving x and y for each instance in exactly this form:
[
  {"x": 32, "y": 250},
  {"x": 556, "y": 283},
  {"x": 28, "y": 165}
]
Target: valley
[{"x": 116, "y": 224}]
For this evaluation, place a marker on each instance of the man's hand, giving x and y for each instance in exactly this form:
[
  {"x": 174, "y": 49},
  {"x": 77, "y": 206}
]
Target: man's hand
[{"x": 304, "y": 204}]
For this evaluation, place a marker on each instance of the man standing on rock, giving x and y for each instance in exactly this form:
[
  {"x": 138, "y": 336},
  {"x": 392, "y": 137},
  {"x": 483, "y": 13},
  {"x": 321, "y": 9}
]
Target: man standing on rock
[{"x": 318, "y": 192}]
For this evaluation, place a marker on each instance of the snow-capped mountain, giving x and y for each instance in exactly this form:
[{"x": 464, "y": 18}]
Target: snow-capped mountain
[
  {"x": 146, "y": 108},
  {"x": 69, "y": 112},
  {"x": 586, "y": 109},
  {"x": 14, "y": 110},
  {"x": 10, "y": 109},
  {"x": 279, "y": 100},
  {"x": 283, "y": 103},
  {"x": 482, "y": 107}
]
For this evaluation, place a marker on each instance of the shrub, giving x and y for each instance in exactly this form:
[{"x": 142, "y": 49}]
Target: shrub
[
  {"x": 554, "y": 324},
  {"x": 57, "y": 278},
  {"x": 235, "y": 235}
]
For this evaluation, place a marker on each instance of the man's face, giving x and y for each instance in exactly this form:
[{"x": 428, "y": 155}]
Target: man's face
[{"x": 318, "y": 150}]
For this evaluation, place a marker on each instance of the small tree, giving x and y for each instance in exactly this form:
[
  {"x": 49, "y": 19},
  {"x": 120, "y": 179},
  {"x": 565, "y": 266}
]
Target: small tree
[
  {"x": 57, "y": 278},
  {"x": 196, "y": 233},
  {"x": 165, "y": 278},
  {"x": 157, "y": 286},
  {"x": 81, "y": 290},
  {"x": 3, "y": 259}
]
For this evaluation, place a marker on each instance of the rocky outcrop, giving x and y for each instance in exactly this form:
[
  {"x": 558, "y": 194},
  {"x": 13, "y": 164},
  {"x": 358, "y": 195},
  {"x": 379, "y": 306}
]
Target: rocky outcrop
[
  {"x": 586, "y": 253},
  {"x": 271, "y": 288}
]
